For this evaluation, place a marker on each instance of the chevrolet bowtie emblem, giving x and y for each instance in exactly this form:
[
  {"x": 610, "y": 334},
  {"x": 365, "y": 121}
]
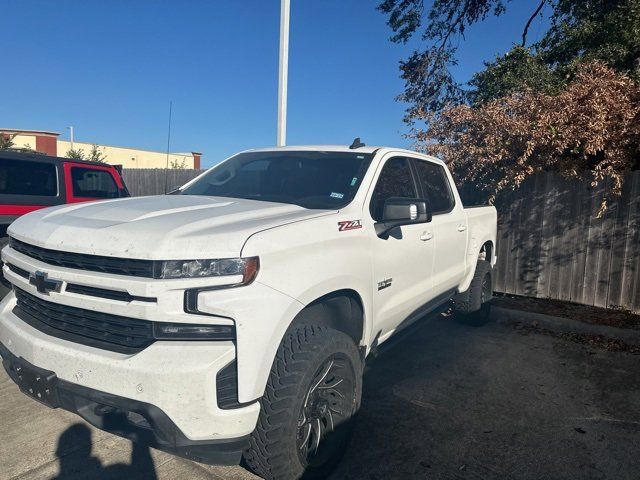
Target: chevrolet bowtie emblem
[{"x": 43, "y": 284}]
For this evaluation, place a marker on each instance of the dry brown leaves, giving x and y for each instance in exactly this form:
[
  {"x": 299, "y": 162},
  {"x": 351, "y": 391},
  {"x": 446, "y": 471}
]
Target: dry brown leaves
[{"x": 591, "y": 128}]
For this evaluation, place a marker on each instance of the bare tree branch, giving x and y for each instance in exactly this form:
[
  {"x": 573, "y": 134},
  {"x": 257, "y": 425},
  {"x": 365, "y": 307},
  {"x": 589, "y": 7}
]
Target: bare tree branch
[{"x": 526, "y": 27}]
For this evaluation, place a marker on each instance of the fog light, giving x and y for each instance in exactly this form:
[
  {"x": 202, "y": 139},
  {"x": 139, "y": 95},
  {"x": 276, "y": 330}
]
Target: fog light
[{"x": 186, "y": 331}]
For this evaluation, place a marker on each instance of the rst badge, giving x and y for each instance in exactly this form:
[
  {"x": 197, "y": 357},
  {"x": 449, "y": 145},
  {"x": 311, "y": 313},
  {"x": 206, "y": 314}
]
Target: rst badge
[{"x": 349, "y": 225}]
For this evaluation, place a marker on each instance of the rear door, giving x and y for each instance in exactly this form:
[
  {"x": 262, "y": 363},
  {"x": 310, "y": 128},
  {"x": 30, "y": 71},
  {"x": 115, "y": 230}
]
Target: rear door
[
  {"x": 402, "y": 263},
  {"x": 85, "y": 182},
  {"x": 449, "y": 225},
  {"x": 27, "y": 183}
]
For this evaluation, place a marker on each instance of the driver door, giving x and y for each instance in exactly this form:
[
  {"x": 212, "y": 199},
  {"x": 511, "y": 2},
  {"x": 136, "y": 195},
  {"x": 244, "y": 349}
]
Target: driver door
[{"x": 403, "y": 262}]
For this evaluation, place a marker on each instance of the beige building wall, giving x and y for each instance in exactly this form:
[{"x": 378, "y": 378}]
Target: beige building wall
[
  {"x": 130, "y": 157},
  {"x": 24, "y": 141}
]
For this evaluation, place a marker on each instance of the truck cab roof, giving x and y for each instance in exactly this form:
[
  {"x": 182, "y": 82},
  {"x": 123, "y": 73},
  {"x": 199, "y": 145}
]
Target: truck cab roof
[{"x": 346, "y": 149}]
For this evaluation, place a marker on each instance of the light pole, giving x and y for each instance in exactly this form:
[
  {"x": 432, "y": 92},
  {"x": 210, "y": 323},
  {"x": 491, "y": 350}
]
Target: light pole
[
  {"x": 283, "y": 73},
  {"x": 71, "y": 136}
]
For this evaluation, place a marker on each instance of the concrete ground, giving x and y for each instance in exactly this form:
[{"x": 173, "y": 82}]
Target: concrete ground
[{"x": 446, "y": 401}]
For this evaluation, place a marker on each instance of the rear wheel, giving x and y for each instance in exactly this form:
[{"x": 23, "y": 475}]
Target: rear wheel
[
  {"x": 310, "y": 401},
  {"x": 474, "y": 304}
]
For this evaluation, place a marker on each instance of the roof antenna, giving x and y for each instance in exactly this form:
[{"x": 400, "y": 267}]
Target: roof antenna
[{"x": 356, "y": 144}]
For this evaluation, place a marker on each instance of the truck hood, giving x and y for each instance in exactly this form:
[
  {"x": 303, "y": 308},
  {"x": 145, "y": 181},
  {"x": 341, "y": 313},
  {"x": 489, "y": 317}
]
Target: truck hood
[{"x": 164, "y": 227}]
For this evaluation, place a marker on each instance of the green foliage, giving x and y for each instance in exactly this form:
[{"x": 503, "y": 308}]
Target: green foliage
[
  {"x": 429, "y": 84},
  {"x": 94, "y": 155},
  {"x": 511, "y": 72},
  {"x": 75, "y": 154},
  {"x": 6, "y": 142},
  {"x": 584, "y": 31},
  {"x": 581, "y": 32},
  {"x": 178, "y": 165}
]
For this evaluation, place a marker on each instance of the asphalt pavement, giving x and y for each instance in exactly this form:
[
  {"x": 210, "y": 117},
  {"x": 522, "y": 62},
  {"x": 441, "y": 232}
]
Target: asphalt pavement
[{"x": 444, "y": 401}]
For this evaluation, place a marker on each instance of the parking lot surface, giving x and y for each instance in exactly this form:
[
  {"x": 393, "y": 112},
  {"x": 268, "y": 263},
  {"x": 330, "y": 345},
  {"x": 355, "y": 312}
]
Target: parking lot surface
[{"x": 444, "y": 401}]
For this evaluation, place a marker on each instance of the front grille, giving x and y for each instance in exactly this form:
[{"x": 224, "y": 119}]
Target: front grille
[
  {"x": 18, "y": 271},
  {"x": 105, "y": 293},
  {"x": 95, "y": 329},
  {"x": 81, "y": 261}
]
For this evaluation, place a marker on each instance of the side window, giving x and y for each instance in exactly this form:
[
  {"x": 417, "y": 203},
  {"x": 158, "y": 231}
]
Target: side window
[
  {"x": 92, "y": 183},
  {"x": 20, "y": 177},
  {"x": 395, "y": 181},
  {"x": 435, "y": 184}
]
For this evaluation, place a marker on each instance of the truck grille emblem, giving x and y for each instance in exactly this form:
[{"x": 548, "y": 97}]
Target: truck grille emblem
[{"x": 43, "y": 284}]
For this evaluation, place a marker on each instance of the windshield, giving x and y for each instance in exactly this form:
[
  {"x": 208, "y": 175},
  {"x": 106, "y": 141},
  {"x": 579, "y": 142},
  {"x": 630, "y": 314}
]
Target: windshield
[{"x": 326, "y": 180}]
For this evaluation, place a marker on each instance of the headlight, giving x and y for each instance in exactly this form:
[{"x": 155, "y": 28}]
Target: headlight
[{"x": 224, "y": 267}]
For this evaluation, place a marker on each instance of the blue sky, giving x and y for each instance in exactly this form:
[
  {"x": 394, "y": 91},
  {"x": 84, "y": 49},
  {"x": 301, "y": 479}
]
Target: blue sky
[{"x": 110, "y": 68}]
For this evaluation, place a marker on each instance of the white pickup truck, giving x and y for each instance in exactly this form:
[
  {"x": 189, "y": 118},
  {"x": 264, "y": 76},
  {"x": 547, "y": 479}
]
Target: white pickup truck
[{"x": 232, "y": 319}]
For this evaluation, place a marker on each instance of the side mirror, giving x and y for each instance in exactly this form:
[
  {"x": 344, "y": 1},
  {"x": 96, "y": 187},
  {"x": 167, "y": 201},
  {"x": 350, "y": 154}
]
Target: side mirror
[{"x": 402, "y": 211}]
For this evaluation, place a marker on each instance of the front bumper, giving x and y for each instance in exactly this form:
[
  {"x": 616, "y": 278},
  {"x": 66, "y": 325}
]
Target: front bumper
[
  {"x": 177, "y": 377},
  {"x": 138, "y": 421}
]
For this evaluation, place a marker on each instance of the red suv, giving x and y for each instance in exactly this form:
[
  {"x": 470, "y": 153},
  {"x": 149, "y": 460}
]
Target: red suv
[{"x": 29, "y": 181}]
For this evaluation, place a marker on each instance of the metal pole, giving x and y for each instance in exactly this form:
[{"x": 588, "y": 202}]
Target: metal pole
[
  {"x": 71, "y": 136},
  {"x": 283, "y": 73}
]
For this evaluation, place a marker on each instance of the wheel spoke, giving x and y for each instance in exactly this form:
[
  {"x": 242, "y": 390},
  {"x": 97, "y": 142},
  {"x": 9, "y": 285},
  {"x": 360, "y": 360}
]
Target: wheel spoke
[
  {"x": 330, "y": 385},
  {"x": 322, "y": 377},
  {"x": 318, "y": 435},
  {"x": 335, "y": 410},
  {"x": 330, "y": 420},
  {"x": 324, "y": 407},
  {"x": 305, "y": 443}
]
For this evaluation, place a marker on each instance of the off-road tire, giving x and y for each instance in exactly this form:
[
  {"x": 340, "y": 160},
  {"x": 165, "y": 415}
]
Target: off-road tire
[
  {"x": 475, "y": 301},
  {"x": 274, "y": 451}
]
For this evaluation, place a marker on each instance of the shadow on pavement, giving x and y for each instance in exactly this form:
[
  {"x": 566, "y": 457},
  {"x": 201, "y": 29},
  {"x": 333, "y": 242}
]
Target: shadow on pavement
[{"x": 76, "y": 462}]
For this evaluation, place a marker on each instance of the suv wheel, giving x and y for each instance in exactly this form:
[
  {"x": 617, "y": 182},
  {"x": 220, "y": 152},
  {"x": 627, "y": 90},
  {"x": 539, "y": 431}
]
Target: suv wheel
[{"x": 310, "y": 401}]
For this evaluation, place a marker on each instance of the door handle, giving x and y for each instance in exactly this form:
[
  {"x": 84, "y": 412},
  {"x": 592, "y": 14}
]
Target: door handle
[
  {"x": 426, "y": 236},
  {"x": 462, "y": 228}
]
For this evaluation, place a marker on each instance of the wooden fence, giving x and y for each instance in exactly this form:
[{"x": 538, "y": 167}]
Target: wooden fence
[
  {"x": 550, "y": 243},
  {"x": 152, "y": 181}
]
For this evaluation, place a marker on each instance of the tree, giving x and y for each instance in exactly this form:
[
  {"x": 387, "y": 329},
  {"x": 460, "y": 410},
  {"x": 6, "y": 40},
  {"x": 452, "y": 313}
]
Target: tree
[
  {"x": 6, "y": 141},
  {"x": 176, "y": 164},
  {"x": 567, "y": 103},
  {"x": 593, "y": 126},
  {"x": 94, "y": 155},
  {"x": 75, "y": 154},
  {"x": 429, "y": 84}
]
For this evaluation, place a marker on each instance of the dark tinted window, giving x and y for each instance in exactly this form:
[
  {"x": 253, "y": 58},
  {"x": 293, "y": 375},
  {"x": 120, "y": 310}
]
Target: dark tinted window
[
  {"x": 309, "y": 179},
  {"x": 435, "y": 185},
  {"x": 91, "y": 183},
  {"x": 395, "y": 181},
  {"x": 19, "y": 177}
]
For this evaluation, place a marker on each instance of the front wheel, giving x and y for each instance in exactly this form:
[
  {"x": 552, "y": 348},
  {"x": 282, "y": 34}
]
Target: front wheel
[{"x": 307, "y": 412}]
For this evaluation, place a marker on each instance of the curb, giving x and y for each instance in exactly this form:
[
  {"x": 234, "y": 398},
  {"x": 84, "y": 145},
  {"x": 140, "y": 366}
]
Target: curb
[{"x": 564, "y": 325}]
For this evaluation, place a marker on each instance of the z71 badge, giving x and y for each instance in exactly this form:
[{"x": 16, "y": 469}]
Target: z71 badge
[{"x": 349, "y": 225}]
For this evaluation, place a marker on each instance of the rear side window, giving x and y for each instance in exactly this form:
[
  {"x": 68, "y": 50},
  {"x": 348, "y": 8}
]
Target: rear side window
[
  {"x": 395, "y": 181},
  {"x": 436, "y": 186},
  {"x": 20, "y": 177},
  {"x": 92, "y": 183}
]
